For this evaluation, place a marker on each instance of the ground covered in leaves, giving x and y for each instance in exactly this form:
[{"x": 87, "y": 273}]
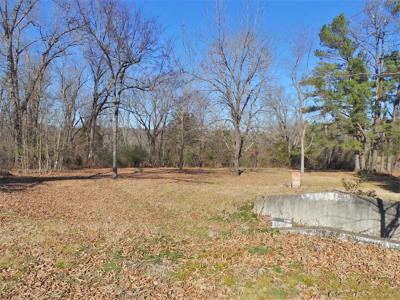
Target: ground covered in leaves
[{"x": 160, "y": 233}]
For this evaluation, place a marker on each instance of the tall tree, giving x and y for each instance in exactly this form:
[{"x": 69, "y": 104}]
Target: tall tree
[
  {"x": 15, "y": 21},
  {"x": 374, "y": 37},
  {"x": 235, "y": 71},
  {"x": 392, "y": 126},
  {"x": 20, "y": 31},
  {"x": 99, "y": 76},
  {"x": 340, "y": 84},
  {"x": 126, "y": 38},
  {"x": 298, "y": 68},
  {"x": 282, "y": 119},
  {"x": 183, "y": 128},
  {"x": 151, "y": 110}
]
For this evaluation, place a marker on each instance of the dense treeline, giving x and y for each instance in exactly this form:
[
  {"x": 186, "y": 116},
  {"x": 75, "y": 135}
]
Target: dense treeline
[{"x": 100, "y": 85}]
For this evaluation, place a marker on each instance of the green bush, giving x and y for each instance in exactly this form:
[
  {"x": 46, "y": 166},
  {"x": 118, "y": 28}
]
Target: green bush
[
  {"x": 363, "y": 175},
  {"x": 132, "y": 156}
]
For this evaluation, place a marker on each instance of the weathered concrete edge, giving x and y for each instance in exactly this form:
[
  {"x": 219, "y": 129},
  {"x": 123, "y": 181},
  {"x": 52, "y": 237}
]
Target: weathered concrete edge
[
  {"x": 334, "y": 191},
  {"x": 342, "y": 235}
]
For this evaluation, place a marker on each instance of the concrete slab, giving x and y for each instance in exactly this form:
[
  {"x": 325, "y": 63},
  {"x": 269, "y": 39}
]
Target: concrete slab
[{"x": 344, "y": 211}]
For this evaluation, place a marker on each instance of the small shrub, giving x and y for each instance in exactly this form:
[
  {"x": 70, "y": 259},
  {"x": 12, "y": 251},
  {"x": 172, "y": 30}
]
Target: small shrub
[
  {"x": 132, "y": 156},
  {"x": 363, "y": 175},
  {"x": 354, "y": 188},
  {"x": 244, "y": 213},
  {"x": 351, "y": 186}
]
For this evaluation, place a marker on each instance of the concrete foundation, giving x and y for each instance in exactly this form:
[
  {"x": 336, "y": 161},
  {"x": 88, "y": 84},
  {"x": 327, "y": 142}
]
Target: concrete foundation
[
  {"x": 344, "y": 211},
  {"x": 344, "y": 236}
]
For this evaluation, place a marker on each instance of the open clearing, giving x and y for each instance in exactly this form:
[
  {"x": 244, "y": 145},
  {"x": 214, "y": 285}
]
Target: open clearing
[{"x": 160, "y": 233}]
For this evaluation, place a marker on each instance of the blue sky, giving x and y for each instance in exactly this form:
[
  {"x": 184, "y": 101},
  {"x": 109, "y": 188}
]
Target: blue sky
[
  {"x": 282, "y": 20},
  {"x": 281, "y": 15}
]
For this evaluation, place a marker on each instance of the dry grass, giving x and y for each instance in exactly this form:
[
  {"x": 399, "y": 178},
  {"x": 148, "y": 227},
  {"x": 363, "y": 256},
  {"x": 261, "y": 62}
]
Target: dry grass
[{"x": 160, "y": 233}]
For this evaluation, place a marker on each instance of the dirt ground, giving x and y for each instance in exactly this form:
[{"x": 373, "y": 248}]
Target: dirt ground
[{"x": 161, "y": 233}]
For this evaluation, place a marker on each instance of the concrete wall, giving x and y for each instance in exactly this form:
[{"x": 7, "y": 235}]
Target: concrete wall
[{"x": 340, "y": 210}]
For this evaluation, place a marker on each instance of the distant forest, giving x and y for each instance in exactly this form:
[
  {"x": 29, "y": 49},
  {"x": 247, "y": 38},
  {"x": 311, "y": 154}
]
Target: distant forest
[{"x": 100, "y": 85}]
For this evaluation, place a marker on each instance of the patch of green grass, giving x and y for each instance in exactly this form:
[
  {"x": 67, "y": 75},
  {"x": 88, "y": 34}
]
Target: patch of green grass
[
  {"x": 260, "y": 250},
  {"x": 115, "y": 262},
  {"x": 189, "y": 268},
  {"x": 261, "y": 288},
  {"x": 273, "y": 283},
  {"x": 265, "y": 229},
  {"x": 218, "y": 218},
  {"x": 244, "y": 214},
  {"x": 221, "y": 266},
  {"x": 117, "y": 255},
  {"x": 355, "y": 286},
  {"x": 112, "y": 266},
  {"x": 181, "y": 275},
  {"x": 60, "y": 264},
  {"x": 170, "y": 255},
  {"x": 230, "y": 280},
  {"x": 278, "y": 293}
]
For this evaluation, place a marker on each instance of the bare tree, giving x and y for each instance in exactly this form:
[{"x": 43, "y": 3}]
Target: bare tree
[
  {"x": 187, "y": 123},
  {"x": 16, "y": 22},
  {"x": 126, "y": 39},
  {"x": 282, "y": 117},
  {"x": 235, "y": 72},
  {"x": 71, "y": 82},
  {"x": 99, "y": 76},
  {"x": 298, "y": 69},
  {"x": 152, "y": 112}
]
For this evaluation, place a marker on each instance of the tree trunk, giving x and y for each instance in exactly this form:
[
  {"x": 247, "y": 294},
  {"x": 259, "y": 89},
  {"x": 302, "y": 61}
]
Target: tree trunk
[
  {"x": 47, "y": 138},
  {"x": 382, "y": 166},
  {"x": 39, "y": 154},
  {"x": 362, "y": 161},
  {"x": 356, "y": 162},
  {"x": 389, "y": 164},
  {"x": 13, "y": 92},
  {"x": 153, "y": 149},
  {"x": 303, "y": 133},
  {"x": 115, "y": 141},
  {"x": 378, "y": 98},
  {"x": 181, "y": 156},
  {"x": 182, "y": 144},
  {"x": 91, "y": 135},
  {"x": 58, "y": 158},
  {"x": 395, "y": 117},
  {"x": 18, "y": 137},
  {"x": 237, "y": 152},
  {"x": 374, "y": 159}
]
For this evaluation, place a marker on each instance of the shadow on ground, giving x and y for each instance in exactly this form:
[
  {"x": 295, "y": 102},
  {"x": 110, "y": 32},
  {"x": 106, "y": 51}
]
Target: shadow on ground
[
  {"x": 387, "y": 182},
  {"x": 20, "y": 183}
]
